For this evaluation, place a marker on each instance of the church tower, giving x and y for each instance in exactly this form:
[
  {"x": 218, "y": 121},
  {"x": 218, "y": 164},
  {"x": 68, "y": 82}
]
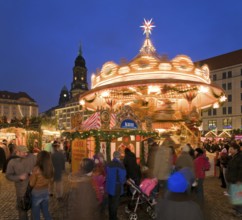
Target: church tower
[
  {"x": 79, "y": 83},
  {"x": 64, "y": 96}
]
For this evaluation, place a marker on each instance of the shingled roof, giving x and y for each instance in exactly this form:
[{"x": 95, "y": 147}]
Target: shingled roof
[
  {"x": 14, "y": 96},
  {"x": 222, "y": 61}
]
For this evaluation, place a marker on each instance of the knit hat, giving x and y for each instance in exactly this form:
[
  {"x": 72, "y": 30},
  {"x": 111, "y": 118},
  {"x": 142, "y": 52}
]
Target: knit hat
[
  {"x": 116, "y": 154},
  {"x": 177, "y": 183},
  {"x": 22, "y": 148},
  {"x": 87, "y": 165}
]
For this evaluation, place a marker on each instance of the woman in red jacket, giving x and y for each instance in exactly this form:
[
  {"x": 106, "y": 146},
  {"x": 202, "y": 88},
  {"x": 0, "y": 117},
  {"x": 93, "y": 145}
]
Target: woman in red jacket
[{"x": 201, "y": 165}]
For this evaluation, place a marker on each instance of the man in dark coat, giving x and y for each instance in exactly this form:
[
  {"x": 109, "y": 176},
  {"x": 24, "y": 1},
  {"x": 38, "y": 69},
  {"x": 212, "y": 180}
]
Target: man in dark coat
[
  {"x": 234, "y": 171},
  {"x": 131, "y": 166}
]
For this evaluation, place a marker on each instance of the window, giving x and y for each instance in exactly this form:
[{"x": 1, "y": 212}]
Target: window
[
  {"x": 229, "y": 74},
  {"x": 229, "y": 110},
  {"x": 229, "y": 98},
  {"x": 209, "y": 112},
  {"x": 241, "y": 109},
  {"x": 214, "y": 77},
  {"x": 212, "y": 124},
  {"x": 240, "y": 96},
  {"x": 224, "y": 85},
  {"x": 227, "y": 123},
  {"x": 241, "y": 84},
  {"x": 241, "y": 72},
  {"x": 224, "y": 111},
  {"x": 229, "y": 86},
  {"x": 214, "y": 111},
  {"x": 224, "y": 75}
]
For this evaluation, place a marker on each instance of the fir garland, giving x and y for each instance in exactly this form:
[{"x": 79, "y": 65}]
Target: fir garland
[{"x": 107, "y": 136}]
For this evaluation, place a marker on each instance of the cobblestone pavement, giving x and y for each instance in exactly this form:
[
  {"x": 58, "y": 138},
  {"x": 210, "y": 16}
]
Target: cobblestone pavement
[{"x": 217, "y": 206}]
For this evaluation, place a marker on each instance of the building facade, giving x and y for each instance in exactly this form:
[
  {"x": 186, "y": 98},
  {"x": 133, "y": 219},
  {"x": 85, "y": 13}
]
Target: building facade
[
  {"x": 17, "y": 105},
  {"x": 226, "y": 72}
]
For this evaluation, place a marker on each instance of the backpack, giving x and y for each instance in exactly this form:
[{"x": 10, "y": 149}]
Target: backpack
[{"x": 26, "y": 201}]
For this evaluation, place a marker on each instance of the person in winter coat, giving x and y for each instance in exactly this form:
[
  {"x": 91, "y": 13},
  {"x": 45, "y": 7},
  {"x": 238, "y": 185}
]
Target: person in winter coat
[
  {"x": 177, "y": 202},
  {"x": 185, "y": 159},
  {"x": 201, "y": 164},
  {"x": 162, "y": 166},
  {"x": 18, "y": 171},
  {"x": 99, "y": 177},
  {"x": 58, "y": 160},
  {"x": 131, "y": 166},
  {"x": 40, "y": 180},
  {"x": 116, "y": 177},
  {"x": 234, "y": 171},
  {"x": 83, "y": 202}
]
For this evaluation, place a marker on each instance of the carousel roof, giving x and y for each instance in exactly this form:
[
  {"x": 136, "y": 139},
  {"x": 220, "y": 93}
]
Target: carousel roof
[{"x": 154, "y": 83}]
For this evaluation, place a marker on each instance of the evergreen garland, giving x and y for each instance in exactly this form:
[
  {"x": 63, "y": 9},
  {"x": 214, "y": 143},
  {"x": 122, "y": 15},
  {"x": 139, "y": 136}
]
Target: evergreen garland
[{"x": 107, "y": 136}]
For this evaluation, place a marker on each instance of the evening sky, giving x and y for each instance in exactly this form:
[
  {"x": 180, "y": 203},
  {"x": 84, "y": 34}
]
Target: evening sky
[{"x": 40, "y": 39}]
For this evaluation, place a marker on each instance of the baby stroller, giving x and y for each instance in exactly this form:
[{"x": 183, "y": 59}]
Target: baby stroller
[{"x": 142, "y": 195}]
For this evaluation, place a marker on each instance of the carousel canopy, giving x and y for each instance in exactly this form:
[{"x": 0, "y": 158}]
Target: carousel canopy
[{"x": 153, "y": 85}]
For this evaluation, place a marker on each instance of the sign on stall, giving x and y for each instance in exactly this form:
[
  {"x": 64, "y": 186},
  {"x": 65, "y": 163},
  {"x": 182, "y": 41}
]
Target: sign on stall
[{"x": 79, "y": 151}]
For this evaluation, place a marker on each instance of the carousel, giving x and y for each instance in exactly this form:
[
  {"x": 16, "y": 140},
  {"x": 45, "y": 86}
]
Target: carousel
[{"x": 149, "y": 94}]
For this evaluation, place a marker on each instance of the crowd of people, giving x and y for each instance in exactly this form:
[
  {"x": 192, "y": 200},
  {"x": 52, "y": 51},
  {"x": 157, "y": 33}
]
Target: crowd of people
[{"x": 98, "y": 185}]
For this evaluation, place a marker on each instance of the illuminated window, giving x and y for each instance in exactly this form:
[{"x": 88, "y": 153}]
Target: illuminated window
[
  {"x": 227, "y": 123},
  {"x": 212, "y": 124}
]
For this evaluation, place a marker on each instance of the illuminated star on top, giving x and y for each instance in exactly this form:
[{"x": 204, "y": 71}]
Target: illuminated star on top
[{"x": 147, "y": 27}]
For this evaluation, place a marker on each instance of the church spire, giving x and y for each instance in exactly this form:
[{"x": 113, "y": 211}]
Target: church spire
[{"x": 80, "y": 50}]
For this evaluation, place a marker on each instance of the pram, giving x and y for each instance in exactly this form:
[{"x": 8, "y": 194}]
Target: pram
[{"x": 141, "y": 195}]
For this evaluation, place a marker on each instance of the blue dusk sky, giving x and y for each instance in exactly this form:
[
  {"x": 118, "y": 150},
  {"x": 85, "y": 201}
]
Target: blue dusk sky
[{"x": 40, "y": 39}]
